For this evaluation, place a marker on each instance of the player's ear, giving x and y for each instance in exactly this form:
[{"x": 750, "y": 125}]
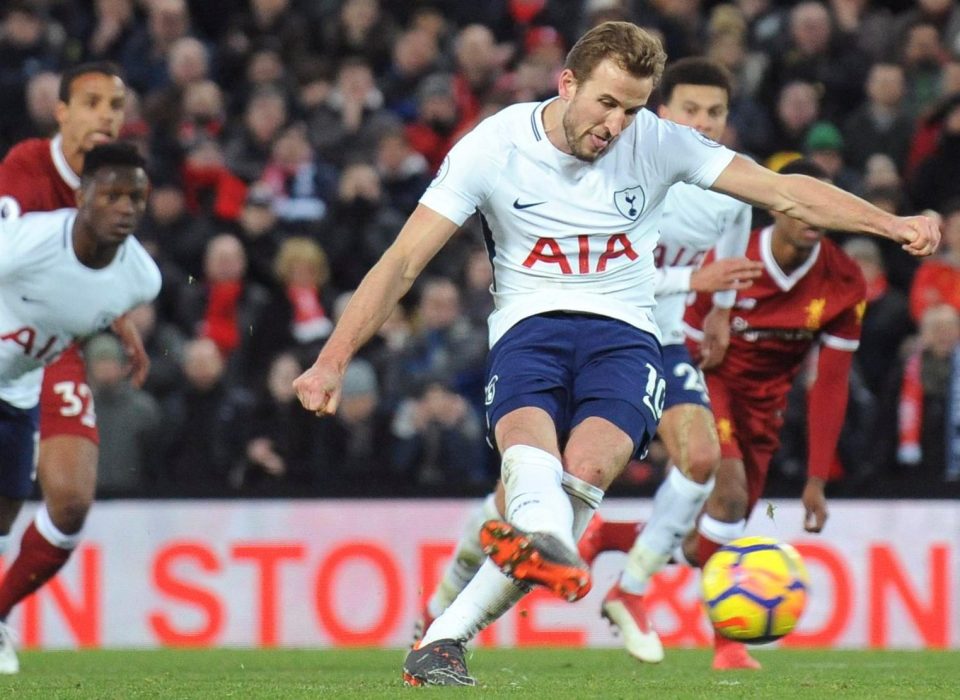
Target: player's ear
[
  {"x": 60, "y": 112},
  {"x": 567, "y": 84}
]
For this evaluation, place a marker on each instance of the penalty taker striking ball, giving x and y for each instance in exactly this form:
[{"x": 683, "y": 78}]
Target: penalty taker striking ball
[{"x": 755, "y": 589}]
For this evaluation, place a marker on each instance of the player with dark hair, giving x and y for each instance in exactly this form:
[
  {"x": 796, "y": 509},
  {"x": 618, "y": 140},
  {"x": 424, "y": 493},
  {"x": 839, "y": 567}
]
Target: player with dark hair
[
  {"x": 43, "y": 175},
  {"x": 571, "y": 190},
  {"x": 811, "y": 295}
]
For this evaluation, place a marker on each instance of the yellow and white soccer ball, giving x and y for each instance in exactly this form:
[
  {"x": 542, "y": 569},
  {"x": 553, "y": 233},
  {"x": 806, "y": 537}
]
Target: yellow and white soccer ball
[{"x": 755, "y": 589}]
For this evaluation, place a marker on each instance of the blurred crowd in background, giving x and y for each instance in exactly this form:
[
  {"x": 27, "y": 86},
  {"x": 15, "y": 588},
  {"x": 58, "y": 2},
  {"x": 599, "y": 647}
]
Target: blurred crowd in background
[{"x": 288, "y": 140}]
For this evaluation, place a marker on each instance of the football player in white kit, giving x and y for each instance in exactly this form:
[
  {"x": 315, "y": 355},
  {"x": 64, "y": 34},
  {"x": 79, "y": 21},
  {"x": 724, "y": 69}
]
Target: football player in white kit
[
  {"x": 64, "y": 275},
  {"x": 694, "y": 92},
  {"x": 571, "y": 191}
]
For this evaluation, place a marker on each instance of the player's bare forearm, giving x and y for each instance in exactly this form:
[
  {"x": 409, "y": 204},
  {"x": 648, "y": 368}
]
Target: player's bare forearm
[
  {"x": 133, "y": 347},
  {"x": 369, "y": 308},
  {"x": 716, "y": 337},
  {"x": 824, "y": 205},
  {"x": 375, "y": 299},
  {"x": 423, "y": 235}
]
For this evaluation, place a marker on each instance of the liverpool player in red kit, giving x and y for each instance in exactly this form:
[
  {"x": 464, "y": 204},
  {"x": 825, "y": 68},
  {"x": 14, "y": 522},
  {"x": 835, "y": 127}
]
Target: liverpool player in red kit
[
  {"x": 42, "y": 175},
  {"x": 809, "y": 294}
]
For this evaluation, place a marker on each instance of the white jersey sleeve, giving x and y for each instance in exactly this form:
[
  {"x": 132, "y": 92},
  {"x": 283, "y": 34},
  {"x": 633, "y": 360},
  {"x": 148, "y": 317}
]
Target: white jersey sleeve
[
  {"x": 694, "y": 221},
  {"x": 48, "y": 297},
  {"x": 15, "y": 243},
  {"x": 686, "y": 155},
  {"x": 674, "y": 279},
  {"x": 467, "y": 175}
]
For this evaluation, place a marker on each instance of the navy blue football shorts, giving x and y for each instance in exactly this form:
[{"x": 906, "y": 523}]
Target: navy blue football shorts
[
  {"x": 685, "y": 381},
  {"x": 19, "y": 434},
  {"x": 574, "y": 366}
]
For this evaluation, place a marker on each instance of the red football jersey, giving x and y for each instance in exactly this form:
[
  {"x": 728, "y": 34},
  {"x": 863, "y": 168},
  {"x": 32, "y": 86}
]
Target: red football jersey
[
  {"x": 36, "y": 176},
  {"x": 776, "y": 321}
]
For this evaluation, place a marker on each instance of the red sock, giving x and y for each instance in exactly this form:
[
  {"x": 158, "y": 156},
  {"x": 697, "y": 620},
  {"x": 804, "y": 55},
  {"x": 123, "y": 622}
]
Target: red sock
[
  {"x": 618, "y": 536},
  {"x": 705, "y": 548},
  {"x": 38, "y": 562}
]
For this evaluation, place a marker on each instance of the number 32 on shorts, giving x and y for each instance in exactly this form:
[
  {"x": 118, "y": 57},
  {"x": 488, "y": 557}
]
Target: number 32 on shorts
[
  {"x": 77, "y": 401},
  {"x": 655, "y": 392}
]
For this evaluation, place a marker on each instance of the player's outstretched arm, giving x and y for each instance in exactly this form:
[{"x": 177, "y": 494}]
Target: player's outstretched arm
[
  {"x": 133, "y": 348},
  {"x": 821, "y": 204},
  {"x": 421, "y": 237}
]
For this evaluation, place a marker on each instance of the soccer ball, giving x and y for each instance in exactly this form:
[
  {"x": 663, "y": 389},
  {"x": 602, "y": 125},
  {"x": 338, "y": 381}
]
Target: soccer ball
[{"x": 755, "y": 589}]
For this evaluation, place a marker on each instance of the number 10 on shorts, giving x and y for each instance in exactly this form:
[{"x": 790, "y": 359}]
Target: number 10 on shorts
[{"x": 655, "y": 392}]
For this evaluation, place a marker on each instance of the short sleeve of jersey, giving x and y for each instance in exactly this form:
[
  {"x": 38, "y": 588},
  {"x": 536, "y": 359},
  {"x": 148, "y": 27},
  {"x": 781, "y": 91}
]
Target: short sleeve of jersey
[
  {"x": 18, "y": 180},
  {"x": 843, "y": 333},
  {"x": 11, "y": 245},
  {"x": 689, "y": 156},
  {"x": 468, "y": 173}
]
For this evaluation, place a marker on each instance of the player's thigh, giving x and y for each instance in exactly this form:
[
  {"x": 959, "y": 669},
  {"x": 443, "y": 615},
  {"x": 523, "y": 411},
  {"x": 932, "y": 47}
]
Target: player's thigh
[
  {"x": 67, "y": 473},
  {"x": 689, "y": 433},
  {"x": 18, "y": 449},
  {"x": 528, "y": 425},
  {"x": 617, "y": 398},
  {"x": 597, "y": 451},
  {"x": 529, "y": 375},
  {"x": 66, "y": 401}
]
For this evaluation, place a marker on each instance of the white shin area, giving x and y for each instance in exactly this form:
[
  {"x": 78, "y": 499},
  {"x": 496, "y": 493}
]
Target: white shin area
[
  {"x": 466, "y": 559},
  {"x": 488, "y": 596},
  {"x": 535, "y": 499},
  {"x": 676, "y": 505}
]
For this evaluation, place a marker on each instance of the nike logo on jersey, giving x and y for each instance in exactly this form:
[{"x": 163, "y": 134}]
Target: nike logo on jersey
[
  {"x": 31, "y": 300},
  {"x": 517, "y": 205}
]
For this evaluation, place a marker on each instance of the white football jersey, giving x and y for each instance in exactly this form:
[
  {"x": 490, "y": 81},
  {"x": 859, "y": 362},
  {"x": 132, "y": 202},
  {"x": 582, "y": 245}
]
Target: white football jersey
[
  {"x": 694, "y": 221},
  {"x": 564, "y": 234},
  {"x": 48, "y": 298}
]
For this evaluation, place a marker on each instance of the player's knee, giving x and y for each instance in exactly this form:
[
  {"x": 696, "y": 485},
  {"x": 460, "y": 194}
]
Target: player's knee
[
  {"x": 70, "y": 514},
  {"x": 728, "y": 502},
  {"x": 703, "y": 458},
  {"x": 589, "y": 469}
]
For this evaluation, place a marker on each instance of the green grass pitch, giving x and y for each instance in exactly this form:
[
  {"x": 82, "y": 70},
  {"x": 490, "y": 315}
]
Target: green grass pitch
[{"x": 502, "y": 673}]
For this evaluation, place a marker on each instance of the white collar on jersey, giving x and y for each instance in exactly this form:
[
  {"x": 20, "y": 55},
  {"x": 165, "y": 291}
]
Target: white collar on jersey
[
  {"x": 61, "y": 164},
  {"x": 784, "y": 281}
]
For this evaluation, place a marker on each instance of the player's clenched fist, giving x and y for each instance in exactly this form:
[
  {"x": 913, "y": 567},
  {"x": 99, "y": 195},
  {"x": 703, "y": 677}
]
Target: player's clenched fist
[
  {"x": 319, "y": 388},
  {"x": 918, "y": 235}
]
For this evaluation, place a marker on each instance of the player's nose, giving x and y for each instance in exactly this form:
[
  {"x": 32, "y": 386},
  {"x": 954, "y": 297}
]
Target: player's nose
[{"x": 615, "y": 123}]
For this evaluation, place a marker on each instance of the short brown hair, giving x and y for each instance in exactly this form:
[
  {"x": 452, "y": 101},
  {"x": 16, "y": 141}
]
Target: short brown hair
[
  {"x": 305, "y": 250},
  {"x": 633, "y": 49}
]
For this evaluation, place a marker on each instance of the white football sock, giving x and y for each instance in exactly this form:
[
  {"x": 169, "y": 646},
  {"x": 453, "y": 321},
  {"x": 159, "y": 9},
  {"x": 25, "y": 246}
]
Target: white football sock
[
  {"x": 680, "y": 556},
  {"x": 535, "y": 500},
  {"x": 719, "y": 531},
  {"x": 488, "y": 596},
  {"x": 52, "y": 534},
  {"x": 466, "y": 559},
  {"x": 4, "y": 542},
  {"x": 675, "y": 508},
  {"x": 585, "y": 500}
]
